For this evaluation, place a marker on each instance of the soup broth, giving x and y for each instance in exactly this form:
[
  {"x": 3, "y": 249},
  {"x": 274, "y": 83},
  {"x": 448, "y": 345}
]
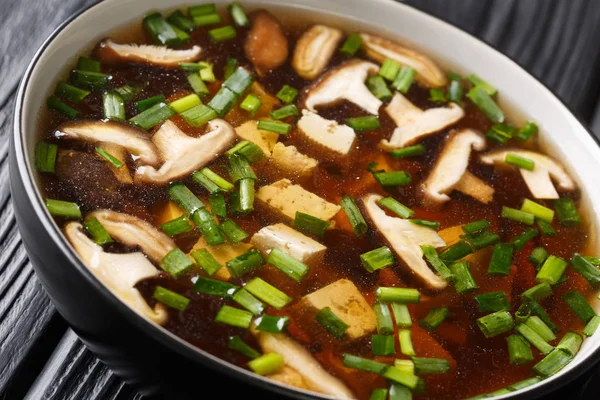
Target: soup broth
[{"x": 98, "y": 172}]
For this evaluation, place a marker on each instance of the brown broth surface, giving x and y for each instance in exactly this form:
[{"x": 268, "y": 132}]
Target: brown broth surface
[{"x": 479, "y": 365}]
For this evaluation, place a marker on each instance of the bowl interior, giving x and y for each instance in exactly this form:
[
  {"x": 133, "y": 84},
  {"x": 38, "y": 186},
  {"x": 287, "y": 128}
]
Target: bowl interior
[{"x": 523, "y": 96}]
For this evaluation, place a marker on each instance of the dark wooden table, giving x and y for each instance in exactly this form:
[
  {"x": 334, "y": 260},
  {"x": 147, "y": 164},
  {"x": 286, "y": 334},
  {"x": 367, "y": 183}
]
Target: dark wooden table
[{"x": 40, "y": 358}]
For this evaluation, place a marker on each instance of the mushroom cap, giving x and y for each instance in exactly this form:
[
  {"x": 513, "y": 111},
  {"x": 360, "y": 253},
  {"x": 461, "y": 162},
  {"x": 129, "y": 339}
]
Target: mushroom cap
[
  {"x": 346, "y": 82},
  {"x": 110, "y": 51},
  {"x": 539, "y": 180},
  {"x": 451, "y": 165},
  {"x": 314, "y": 50},
  {"x": 135, "y": 141},
  {"x": 427, "y": 71},
  {"x": 405, "y": 239},
  {"x": 266, "y": 45},
  {"x": 118, "y": 272},
  {"x": 413, "y": 123},
  {"x": 183, "y": 154}
]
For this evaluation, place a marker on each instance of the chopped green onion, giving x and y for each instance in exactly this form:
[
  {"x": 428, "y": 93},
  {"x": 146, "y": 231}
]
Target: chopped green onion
[
  {"x": 540, "y": 312},
  {"x": 246, "y": 195},
  {"x": 45, "y": 156},
  {"x": 238, "y": 15},
  {"x": 379, "y": 88},
  {"x": 398, "y": 376},
  {"x": 432, "y": 256},
  {"x": 114, "y": 107},
  {"x": 536, "y": 340},
  {"x": 523, "y": 312},
  {"x": 234, "y": 317},
  {"x": 566, "y": 212},
  {"x": 398, "y": 295},
  {"x": 170, "y": 298},
  {"x": 223, "y": 101},
  {"x": 218, "y": 206},
  {"x": 389, "y": 69},
  {"x": 455, "y": 92},
  {"x": 519, "y": 161},
  {"x": 393, "y": 178},
  {"x": 90, "y": 80},
  {"x": 208, "y": 19},
  {"x": 206, "y": 261},
  {"x": 579, "y": 305},
  {"x": 215, "y": 287},
  {"x": 476, "y": 226},
  {"x": 519, "y": 350},
  {"x": 202, "y": 9},
  {"x": 486, "y": 104},
  {"x": 184, "y": 197},
  {"x": 199, "y": 115},
  {"x": 70, "y": 93},
  {"x": 541, "y": 212},
  {"x": 492, "y": 302},
  {"x": 401, "y": 315},
  {"x": 454, "y": 76},
  {"x": 404, "y": 79},
  {"x": 585, "y": 268},
  {"x": 405, "y": 339},
  {"x": 528, "y": 130},
  {"x": 239, "y": 168},
  {"x": 357, "y": 221},
  {"x": 501, "y": 260},
  {"x": 430, "y": 365},
  {"x": 519, "y": 241},
  {"x": 287, "y": 264},
  {"x": 268, "y": 293},
  {"x": 437, "y": 95},
  {"x": 496, "y": 323},
  {"x": 230, "y": 65},
  {"x": 517, "y": 215},
  {"x": 535, "y": 323},
  {"x": 482, "y": 239},
  {"x": 128, "y": 92},
  {"x": 362, "y": 124},
  {"x": 463, "y": 280},
  {"x": 245, "y": 263},
  {"x": 523, "y": 384},
  {"x": 351, "y": 45},
  {"x": 309, "y": 224},
  {"x": 595, "y": 261},
  {"x": 251, "y": 151},
  {"x": 409, "y": 151},
  {"x": 191, "y": 67},
  {"x": 152, "y": 116},
  {"x": 179, "y": 20},
  {"x": 176, "y": 226},
  {"x": 98, "y": 232},
  {"x": 396, "y": 207},
  {"x": 546, "y": 228},
  {"x": 251, "y": 104},
  {"x": 364, "y": 364},
  {"x": 399, "y": 392},
  {"x": 591, "y": 326},
  {"x": 61, "y": 208},
  {"x": 239, "y": 81},
  {"x": 208, "y": 227},
  {"x": 383, "y": 317},
  {"x": 455, "y": 252},
  {"x": 206, "y": 72},
  {"x": 269, "y": 323},
  {"x": 551, "y": 271},
  {"x": 160, "y": 30},
  {"x": 211, "y": 181},
  {"x": 570, "y": 343},
  {"x": 379, "y": 394},
  {"x": 501, "y": 133},
  {"x": 176, "y": 263},
  {"x": 436, "y": 316},
  {"x": 145, "y": 104},
  {"x": 88, "y": 64},
  {"x": 331, "y": 323},
  {"x": 54, "y": 103},
  {"x": 234, "y": 233},
  {"x": 223, "y": 33},
  {"x": 405, "y": 365},
  {"x": 477, "y": 81},
  {"x": 383, "y": 345},
  {"x": 236, "y": 343},
  {"x": 427, "y": 224},
  {"x": 552, "y": 363},
  {"x": 286, "y": 111},
  {"x": 538, "y": 292},
  {"x": 185, "y": 103},
  {"x": 267, "y": 364},
  {"x": 274, "y": 126},
  {"x": 537, "y": 257},
  {"x": 287, "y": 94}
]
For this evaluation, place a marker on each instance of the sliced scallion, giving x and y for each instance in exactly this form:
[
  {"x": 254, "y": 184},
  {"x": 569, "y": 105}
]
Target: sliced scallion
[
  {"x": 455, "y": 252},
  {"x": 351, "y": 45},
  {"x": 501, "y": 260},
  {"x": 566, "y": 212},
  {"x": 114, "y": 107},
  {"x": 486, "y": 104},
  {"x": 184, "y": 197},
  {"x": 176, "y": 263},
  {"x": 463, "y": 280},
  {"x": 551, "y": 271},
  {"x": 393, "y": 178},
  {"x": 331, "y": 323},
  {"x": 274, "y": 126},
  {"x": 379, "y": 88},
  {"x": 90, "y": 80},
  {"x": 179, "y": 20},
  {"x": 520, "y": 161},
  {"x": 245, "y": 263},
  {"x": 145, "y": 104},
  {"x": 517, "y": 215},
  {"x": 496, "y": 323},
  {"x": 401, "y": 315},
  {"x": 70, "y": 93},
  {"x": 65, "y": 209},
  {"x": 585, "y": 268},
  {"x": 501, "y": 133},
  {"x": 389, "y": 69},
  {"x": 535, "y": 323},
  {"x": 246, "y": 195},
  {"x": 477, "y": 81},
  {"x": 528, "y": 130},
  {"x": 398, "y": 376},
  {"x": 383, "y": 345},
  {"x": 396, "y": 207},
  {"x": 519, "y": 350},
  {"x": 481, "y": 239},
  {"x": 536, "y": 340},
  {"x": 223, "y": 101},
  {"x": 97, "y": 231},
  {"x": 383, "y": 317},
  {"x": 239, "y": 81},
  {"x": 552, "y": 363},
  {"x": 362, "y": 124},
  {"x": 519, "y": 241},
  {"x": 425, "y": 365},
  {"x": 152, "y": 116},
  {"x": 364, "y": 364},
  {"x": 538, "y": 210},
  {"x": 309, "y": 224},
  {"x": 492, "y": 302},
  {"x": 208, "y": 227},
  {"x": 398, "y": 295},
  {"x": 434, "y": 318},
  {"x": 432, "y": 256},
  {"x": 537, "y": 257},
  {"x": 206, "y": 20},
  {"x": 272, "y": 324},
  {"x": 476, "y": 226},
  {"x": 437, "y": 95},
  {"x": 591, "y": 326},
  {"x": 206, "y": 260},
  {"x": 546, "y": 228},
  {"x": 215, "y": 287},
  {"x": 251, "y": 104},
  {"x": 45, "y": 156},
  {"x": 410, "y": 151},
  {"x": 176, "y": 226},
  {"x": 88, "y": 64},
  {"x": 230, "y": 65},
  {"x": 538, "y": 292},
  {"x": 268, "y": 293},
  {"x": 579, "y": 305},
  {"x": 286, "y": 111},
  {"x": 427, "y": 224},
  {"x": 160, "y": 30},
  {"x": 287, "y": 94},
  {"x": 404, "y": 79},
  {"x": 357, "y": 221},
  {"x": 234, "y": 316},
  {"x": 185, "y": 103},
  {"x": 170, "y": 298},
  {"x": 236, "y": 343},
  {"x": 223, "y": 33},
  {"x": 238, "y": 15},
  {"x": 234, "y": 233},
  {"x": 288, "y": 265},
  {"x": 455, "y": 92},
  {"x": 54, "y": 103},
  {"x": 379, "y": 394},
  {"x": 406, "y": 345},
  {"x": 267, "y": 364}
]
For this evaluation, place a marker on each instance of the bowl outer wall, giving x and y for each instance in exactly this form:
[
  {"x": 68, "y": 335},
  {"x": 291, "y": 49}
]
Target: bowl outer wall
[{"x": 562, "y": 133}]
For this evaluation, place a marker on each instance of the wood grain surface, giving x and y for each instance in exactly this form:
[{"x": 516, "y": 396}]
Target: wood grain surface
[{"x": 40, "y": 358}]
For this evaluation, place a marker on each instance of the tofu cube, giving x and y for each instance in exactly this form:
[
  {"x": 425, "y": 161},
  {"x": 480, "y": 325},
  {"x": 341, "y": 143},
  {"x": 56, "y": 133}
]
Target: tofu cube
[
  {"x": 346, "y": 302},
  {"x": 333, "y": 139},
  {"x": 264, "y": 139},
  {"x": 290, "y": 163},
  {"x": 223, "y": 253},
  {"x": 290, "y": 241}
]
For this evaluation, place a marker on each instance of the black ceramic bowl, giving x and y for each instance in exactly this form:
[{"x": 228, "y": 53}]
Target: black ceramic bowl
[{"x": 148, "y": 356}]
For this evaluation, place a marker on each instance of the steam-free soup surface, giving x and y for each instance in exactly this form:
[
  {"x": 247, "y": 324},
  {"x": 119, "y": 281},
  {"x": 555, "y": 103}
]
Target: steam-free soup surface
[{"x": 477, "y": 364}]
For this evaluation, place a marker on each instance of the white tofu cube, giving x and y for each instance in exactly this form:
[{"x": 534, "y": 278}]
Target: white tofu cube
[
  {"x": 223, "y": 253},
  {"x": 331, "y": 136},
  {"x": 290, "y": 163},
  {"x": 290, "y": 241},
  {"x": 264, "y": 139}
]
